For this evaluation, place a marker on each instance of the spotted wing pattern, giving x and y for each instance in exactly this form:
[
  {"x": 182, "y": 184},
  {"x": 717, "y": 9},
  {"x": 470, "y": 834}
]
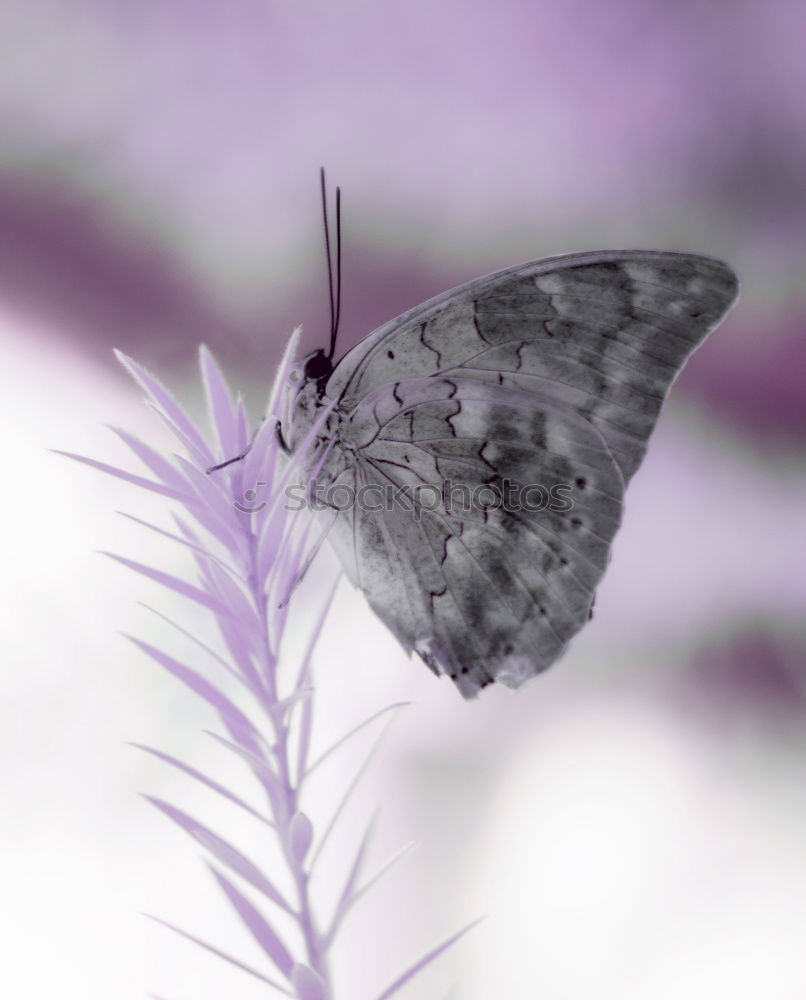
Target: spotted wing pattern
[
  {"x": 604, "y": 334},
  {"x": 483, "y": 523},
  {"x": 545, "y": 375}
]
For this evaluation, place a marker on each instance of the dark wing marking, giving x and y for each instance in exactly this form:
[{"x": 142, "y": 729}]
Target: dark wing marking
[
  {"x": 601, "y": 334},
  {"x": 480, "y": 589}
]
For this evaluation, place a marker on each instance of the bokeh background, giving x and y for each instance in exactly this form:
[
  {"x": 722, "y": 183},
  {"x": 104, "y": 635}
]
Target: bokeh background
[{"x": 634, "y": 822}]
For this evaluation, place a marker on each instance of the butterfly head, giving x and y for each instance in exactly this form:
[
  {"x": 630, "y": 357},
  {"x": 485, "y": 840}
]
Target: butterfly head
[
  {"x": 311, "y": 374},
  {"x": 305, "y": 393}
]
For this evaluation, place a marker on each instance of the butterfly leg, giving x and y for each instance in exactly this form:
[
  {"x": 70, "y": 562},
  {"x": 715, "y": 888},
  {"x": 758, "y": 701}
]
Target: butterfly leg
[
  {"x": 247, "y": 449},
  {"x": 278, "y": 430},
  {"x": 229, "y": 461}
]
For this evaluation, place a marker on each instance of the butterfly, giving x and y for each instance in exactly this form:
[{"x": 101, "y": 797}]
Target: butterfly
[{"x": 544, "y": 380}]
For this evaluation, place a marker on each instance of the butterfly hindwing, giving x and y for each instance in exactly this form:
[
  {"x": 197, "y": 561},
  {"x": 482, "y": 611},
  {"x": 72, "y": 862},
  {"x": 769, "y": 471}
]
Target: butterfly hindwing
[{"x": 484, "y": 578}]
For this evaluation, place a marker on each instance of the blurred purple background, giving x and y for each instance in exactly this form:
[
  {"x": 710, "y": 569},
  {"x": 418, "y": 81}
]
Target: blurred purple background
[
  {"x": 158, "y": 188},
  {"x": 159, "y": 167}
]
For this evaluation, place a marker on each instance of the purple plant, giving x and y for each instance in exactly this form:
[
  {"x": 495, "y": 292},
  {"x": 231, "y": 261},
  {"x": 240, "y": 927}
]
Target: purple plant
[{"x": 249, "y": 558}]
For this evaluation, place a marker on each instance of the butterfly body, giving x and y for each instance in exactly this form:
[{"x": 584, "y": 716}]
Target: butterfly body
[{"x": 532, "y": 392}]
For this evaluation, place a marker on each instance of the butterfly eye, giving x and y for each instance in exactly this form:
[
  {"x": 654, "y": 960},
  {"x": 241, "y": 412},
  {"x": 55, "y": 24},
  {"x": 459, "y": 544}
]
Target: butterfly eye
[{"x": 295, "y": 376}]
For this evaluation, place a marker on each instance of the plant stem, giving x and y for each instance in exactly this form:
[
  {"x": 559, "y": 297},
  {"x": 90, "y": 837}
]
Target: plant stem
[{"x": 284, "y": 811}]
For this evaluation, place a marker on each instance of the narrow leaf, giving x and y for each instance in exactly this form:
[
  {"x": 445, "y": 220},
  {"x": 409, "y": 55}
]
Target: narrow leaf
[
  {"x": 297, "y": 460},
  {"x": 129, "y": 477},
  {"x": 217, "y": 504},
  {"x": 222, "y": 850},
  {"x": 207, "y": 520},
  {"x": 242, "y": 651},
  {"x": 222, "y": 954},
  {"x": 213, "y": 491},
  {"x": 238, "y": 725},
  {"x": 194, "y": 639},
  {"x": 258, "y": 764},
  {"x": 219, "y": 403},
  {"x": 362, "y": 725},
  {"x": 169, "y": 406},
  {"x": 284, "y": 705},
  {"x": 352, "y": 877},
  {"x": 161, "y": 468},
  {"x": 421, "y": 963},
  {"x": 303, "y": 682},
  {"x": 381, "y": 872},
  {"x": 351, "y": 788},
  {"x": 261, "y": 459},
  {"x": 242, "y": 424},
  {"x": 282, "y": 371},
  {"x": 174, "y": 583},
  {"x": 257, "y": 925},
  {"x": 182, "y": 541},
  {"x": 272, "y": 533},
  {"x": 235, "y": 597},
  {"x": 205, "y": 780},
  {"x": 199, "y": 457},
  {"x": 302, "y": 562}
]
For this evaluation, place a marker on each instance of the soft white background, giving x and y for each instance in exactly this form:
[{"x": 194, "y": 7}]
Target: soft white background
[{"x": 618, "y": 844}]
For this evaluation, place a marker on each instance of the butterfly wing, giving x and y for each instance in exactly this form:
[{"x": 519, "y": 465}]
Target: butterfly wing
[
  {"x": 548, "y": 373},
  {"x": 460, "y": 538},
  {"x": 604, "y": 334}
]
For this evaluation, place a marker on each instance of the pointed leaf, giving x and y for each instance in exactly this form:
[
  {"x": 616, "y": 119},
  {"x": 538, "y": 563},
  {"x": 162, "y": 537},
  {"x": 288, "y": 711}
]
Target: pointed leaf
[
  {"x": 216, "y": 502},
  {"x": 282, "y": 371},
  {"x": 308, "y": 985},
  {"x": 259, "y": 765},
  {"x": 174, "y": 583},
  {"x": 399, "y": 855},
  {"x": 242, "y": 650},
  {"x": 257, "y": 925},
  {"x": 171, "y": 410},
  {"x": 161, "y": 468},
  {"x": 195, "y": 639},
  {"x": 211, "y": 523},
  {"x": 349, "y": 886},
  {"x": 187, "y": 443},
  {"x": 273, "y": 531},
  {"x": 303, "y": 681},
  {"x": 238, "y": 725},
  {"x": 296, "y": 463},
  {"x": 242, "y": 424},
  {"x": 237, "y": 598},
  {"x": 243, "y": 631},
  {"x": 351, "y": 788},
  {"x": 300, "y": 835},
  {"x": 348, "y": 736},
  {"x": 261, "y": 460},
  {"x": 421, "y": 963},
  {"x": 219, "y": 403},
  {"x": 129, "y": 477},
  {"x": 221, "y": 954},
  {"x": 182, "y": 541},
  {"x": 205, "y": 780},
  {"x": 222, "y": 850},
  {"x": 302, "y": 557}
]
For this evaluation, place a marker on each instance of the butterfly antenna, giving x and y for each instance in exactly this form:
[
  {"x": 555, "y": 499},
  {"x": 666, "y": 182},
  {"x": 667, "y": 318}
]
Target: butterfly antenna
[
  {"x": 335, "y": 332},
  {"x": 329, "y": 259}
]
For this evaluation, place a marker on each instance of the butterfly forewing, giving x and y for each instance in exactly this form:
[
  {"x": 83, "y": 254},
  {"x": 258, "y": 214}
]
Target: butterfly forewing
[{"x": 602, "y": 333}]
